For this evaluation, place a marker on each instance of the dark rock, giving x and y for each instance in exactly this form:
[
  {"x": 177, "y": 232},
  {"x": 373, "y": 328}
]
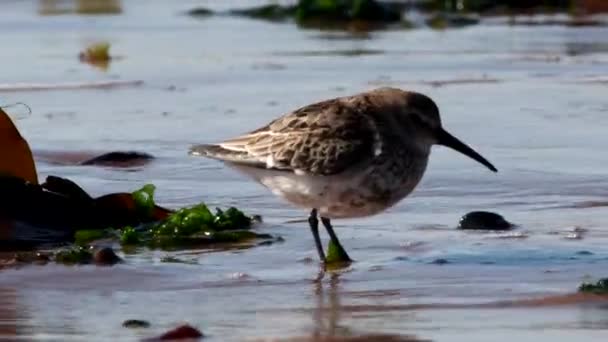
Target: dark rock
[
  {"x": 440, "y": 261},
  {"x": 443, "y": 21},
  {"x": 48, "y": 215},
  {"x": 38, "y": 258},
  {"x": 135, "y": 323},
  {"x": 584, "y": 253},
  {"x": 502, "y": 6},
  {"x": 120, "y": 159},
  {"x": 66, "y": 187},
  {"x": 484, "y": 220},
  {"x": 371, "y": 10},
  {"x": 38, "y": 216},
  {"x": 106, "y": 256},
  {"x": 180, "y": 333}
]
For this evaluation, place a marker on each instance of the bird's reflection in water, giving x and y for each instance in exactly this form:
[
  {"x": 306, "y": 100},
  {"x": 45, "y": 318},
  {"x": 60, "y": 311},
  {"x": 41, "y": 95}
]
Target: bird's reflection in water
[
  {"x": 9, "y": 316},
  {"x": 327, "y": 325},
  {"x": 326, "y": 316}
]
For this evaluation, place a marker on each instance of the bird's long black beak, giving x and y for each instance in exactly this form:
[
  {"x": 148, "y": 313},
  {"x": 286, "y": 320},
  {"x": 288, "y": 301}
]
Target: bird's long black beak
[{"x": 446, "y": 139}]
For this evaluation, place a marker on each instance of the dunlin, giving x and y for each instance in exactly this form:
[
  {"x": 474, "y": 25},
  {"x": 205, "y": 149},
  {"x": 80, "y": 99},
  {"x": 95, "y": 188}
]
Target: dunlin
[{"x": 345, "y": 157}]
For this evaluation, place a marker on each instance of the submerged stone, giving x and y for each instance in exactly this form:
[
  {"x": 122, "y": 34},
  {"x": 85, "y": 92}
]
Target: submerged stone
[
  {"x": 120, "y": 159},
  {"x": 484, "y": 220},
  {"x": 173, "y": 260},
  {"x": 444, "y": 21},
  {"x": 200, "y": 12},
  {"x": 440, "y": 261},
  {"x": 38, "y": 258},
  {"x": 106, "y": 256}
]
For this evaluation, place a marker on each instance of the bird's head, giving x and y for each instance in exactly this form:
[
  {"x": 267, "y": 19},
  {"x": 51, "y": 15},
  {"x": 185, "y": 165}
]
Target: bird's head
[{"x": 419, "y": 118}]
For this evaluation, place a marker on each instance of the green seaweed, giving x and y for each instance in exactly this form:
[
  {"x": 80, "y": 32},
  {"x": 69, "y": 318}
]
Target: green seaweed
[
  {"x": 194, "y": 227},
  {"x": 599, "y": 287},
  {"x": 346, "y": 10},
  {"x": 129, "y": 236},
  {"x": 76, "y": 255},
  {"x": 200, "y": 220},
  {"x": 336, "y": 256},
  {"x": 231, "y": 219},
  {"x": 144, "y": 200},
  {"x": 270, "y": 12},
  {"x": 324, "y": 10},
  {"x": 85, "y": 237}
]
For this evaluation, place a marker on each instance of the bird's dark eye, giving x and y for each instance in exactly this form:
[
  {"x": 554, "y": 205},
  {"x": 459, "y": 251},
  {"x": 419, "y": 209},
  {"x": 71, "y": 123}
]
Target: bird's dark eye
[{"x": 417, "y": 120}]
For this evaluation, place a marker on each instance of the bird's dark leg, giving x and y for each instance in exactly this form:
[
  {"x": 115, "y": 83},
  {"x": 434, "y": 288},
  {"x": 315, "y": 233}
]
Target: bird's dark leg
[
  {"x": 313, "y": 221},
  {"x": 334, "y": 239}
]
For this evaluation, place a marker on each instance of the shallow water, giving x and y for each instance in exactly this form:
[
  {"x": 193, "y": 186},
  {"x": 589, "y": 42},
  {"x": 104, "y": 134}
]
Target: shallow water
[{"x": 541, "y": 119}]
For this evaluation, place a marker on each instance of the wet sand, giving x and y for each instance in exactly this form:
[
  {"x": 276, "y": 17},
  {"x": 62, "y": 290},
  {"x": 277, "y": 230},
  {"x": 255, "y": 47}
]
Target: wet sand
[{"x": 501, "y": 88}]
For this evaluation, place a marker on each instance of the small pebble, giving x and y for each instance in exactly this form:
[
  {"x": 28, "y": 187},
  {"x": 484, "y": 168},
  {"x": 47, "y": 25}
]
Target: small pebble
[
  {"x": 135, "y": 323},
  {"x": 584, "y": 253},
  {"x": 412, "y": 245},
  {"x": 484, "y": 220},
  {"x": 240, "y": 276},
  {"x": 513, "y": 235},
  {"x": 574, "y": 236},
  {"x": 307, "y": 260},
  {"x": 42, "y": 258},
  {"x": 106, "y": 256}
]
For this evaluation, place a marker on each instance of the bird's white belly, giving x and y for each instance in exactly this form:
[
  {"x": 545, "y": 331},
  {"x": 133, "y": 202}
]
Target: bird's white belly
[{"x": 336, "y": 196}]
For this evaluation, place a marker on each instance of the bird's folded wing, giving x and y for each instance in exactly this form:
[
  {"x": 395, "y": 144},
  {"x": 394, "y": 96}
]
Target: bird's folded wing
[{"x": 323, "y": 142}]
